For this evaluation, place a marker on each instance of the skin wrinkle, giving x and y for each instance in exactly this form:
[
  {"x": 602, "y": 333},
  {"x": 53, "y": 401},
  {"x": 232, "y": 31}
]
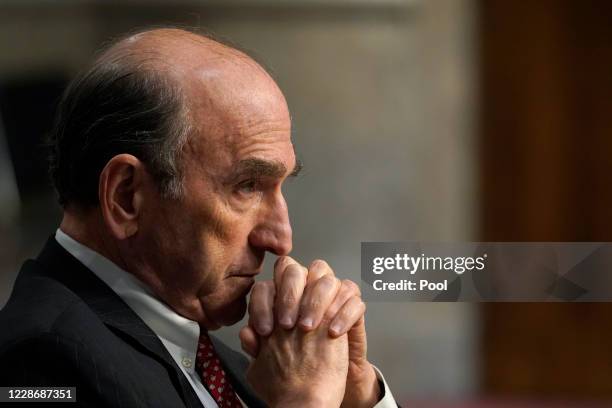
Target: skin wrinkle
[
  {"x": 199, "y": 252},
  {"x": 235, "y": 140},
  {"x": 191, "y": 250}
]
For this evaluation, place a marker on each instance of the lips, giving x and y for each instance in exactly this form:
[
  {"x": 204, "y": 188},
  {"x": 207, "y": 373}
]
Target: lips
[
  {"x": 243, "y": 284},
  {"x": 244, "y": 275},
  {"x": 245, "y": 272},
  {"x": 244, "y": 280}
]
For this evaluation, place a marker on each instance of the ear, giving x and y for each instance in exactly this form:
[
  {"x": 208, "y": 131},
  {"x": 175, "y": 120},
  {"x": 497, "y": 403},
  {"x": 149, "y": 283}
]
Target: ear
[{"x": 121, "y": 193}]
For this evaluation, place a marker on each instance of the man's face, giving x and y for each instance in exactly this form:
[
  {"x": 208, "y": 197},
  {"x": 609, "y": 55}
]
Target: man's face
[{"x": 207, "y": 247}]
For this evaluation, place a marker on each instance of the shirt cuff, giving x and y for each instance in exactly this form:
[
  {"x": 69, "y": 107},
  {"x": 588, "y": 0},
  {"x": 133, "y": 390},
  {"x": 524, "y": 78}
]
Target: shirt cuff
[{"x": 387, "y": 400}]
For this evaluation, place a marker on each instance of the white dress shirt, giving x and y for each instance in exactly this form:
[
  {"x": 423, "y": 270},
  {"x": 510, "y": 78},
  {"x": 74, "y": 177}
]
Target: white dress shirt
[{"x": 178, "y": 334}]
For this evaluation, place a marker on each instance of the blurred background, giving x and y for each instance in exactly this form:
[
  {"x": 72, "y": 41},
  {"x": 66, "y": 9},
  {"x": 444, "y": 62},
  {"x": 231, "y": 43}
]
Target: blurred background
[{"x": 438, "y": 120}]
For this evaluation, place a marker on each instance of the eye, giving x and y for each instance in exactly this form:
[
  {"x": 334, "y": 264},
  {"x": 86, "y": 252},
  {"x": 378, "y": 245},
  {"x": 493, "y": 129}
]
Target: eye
[{"x": 247, "y": 186}]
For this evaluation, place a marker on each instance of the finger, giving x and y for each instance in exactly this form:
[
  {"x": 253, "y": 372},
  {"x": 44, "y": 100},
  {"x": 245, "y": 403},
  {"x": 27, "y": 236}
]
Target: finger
[
  {"x": 261, "y": 303},
  {"x": 358, "y": 343},
  {"x": 281, "y": 264},
  {"x": 249, "y": 341},
  {"x": 348, "y": 289},
  {"x": 348, "y": 315},
  {"x": 289, "y": 294},
  {"x": 317, "y": 298},
  {"x": 317, "y": 269}
]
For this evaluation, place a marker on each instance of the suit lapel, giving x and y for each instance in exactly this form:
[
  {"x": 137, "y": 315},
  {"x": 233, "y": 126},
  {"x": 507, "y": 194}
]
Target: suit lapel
[{"x": 113, "y": 311}]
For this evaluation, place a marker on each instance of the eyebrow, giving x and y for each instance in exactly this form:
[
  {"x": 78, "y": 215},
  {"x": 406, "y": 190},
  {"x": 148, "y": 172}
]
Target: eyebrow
[{"x": 255, "y": 167}]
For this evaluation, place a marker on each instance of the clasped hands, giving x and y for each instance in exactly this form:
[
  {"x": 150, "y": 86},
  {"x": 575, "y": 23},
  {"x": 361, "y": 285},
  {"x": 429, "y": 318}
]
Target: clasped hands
[{"x": 306, "y": 334}]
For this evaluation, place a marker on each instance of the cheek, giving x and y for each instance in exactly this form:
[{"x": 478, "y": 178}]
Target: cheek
[
  {"x": 227, "y": 233},
  {"x": 211, "y": 238},
  {"x": 183, "y": 247},
  {"x": 216, "y": 244},
  {"x": 217, "y": 259}
]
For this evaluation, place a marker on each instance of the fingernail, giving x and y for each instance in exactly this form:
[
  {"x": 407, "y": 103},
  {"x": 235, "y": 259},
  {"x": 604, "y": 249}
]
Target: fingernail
[
  {"x": 307, "y": 322},
  {"x": 336, "y": 328},
  {"x": 286, "y": 321}
]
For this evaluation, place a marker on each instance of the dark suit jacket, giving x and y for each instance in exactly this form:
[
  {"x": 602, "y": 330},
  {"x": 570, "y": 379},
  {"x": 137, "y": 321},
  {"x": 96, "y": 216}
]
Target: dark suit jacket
[{"x": 63, "y": 326}]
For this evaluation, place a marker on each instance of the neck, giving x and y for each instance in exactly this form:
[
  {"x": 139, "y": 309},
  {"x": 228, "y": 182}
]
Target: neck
[{"x": 87, "y": 227}]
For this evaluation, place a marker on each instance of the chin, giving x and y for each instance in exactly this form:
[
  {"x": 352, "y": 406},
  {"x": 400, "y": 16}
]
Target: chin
[{"x": 231, "y": 314}]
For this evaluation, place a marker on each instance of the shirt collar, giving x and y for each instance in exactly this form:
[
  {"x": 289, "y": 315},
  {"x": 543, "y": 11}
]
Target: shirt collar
[{"x": 165, "y": 323}]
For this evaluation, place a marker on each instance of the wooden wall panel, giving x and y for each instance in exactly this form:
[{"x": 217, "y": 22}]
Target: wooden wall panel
[{"x": 546, "y": 175}]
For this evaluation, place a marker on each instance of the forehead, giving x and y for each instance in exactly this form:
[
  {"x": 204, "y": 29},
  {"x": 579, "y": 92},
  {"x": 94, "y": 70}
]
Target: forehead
[
  {"x": 267, "y": 153},
  {"x": 239, "y": 113},
  {"x": 235, "y": 108}
]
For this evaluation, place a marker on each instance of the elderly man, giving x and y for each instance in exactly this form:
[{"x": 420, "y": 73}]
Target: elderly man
[{"x": 168, "y": 156}]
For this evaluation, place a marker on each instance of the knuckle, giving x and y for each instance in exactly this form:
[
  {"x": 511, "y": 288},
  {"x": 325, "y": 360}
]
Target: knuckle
[
  {"x": 311, "y": 305},
  {"x": 294, "y": 272},
  {"x": 285, "y": 262},
  {"x": 327, "y": 281},
  {"x": 356, "y": 311},
  {"x": 319, "y": 264},
  {"x": 281, "y": 265},
  {"x": 314, "y": 303},
  {"x": 345, "y": 313},
  {"x": 261, "y": 296},
  {"x": 320, "y": 267},
  {"x": 282, "y": 261},
  {"x": 288, "y": 299},
  {"x": 351, "y": 286}
]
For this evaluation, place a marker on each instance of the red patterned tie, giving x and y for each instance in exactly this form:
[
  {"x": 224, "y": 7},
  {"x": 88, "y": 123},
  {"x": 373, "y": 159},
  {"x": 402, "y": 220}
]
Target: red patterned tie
[{"x": 213, "y": 376}]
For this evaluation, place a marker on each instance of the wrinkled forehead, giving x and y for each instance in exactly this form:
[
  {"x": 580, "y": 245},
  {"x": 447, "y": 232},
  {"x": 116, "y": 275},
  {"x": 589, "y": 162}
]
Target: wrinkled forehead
[
  {"x": 235, "y": 95},
  {"x": 237, "y": 111}
]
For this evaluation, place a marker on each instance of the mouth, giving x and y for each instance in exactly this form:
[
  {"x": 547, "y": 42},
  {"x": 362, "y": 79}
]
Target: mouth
[
  {"x": 243, "y": 283},
  {"x": 244, "y": 275}
]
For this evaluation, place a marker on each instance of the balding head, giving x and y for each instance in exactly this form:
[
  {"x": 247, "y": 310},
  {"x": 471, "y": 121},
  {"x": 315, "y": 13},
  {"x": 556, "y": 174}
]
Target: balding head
[
  {"x": 147, "y": 94},
  {"x": 178, "y": 147}
]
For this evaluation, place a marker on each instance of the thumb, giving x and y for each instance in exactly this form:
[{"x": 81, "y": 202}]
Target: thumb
[{"x": 358, "y": 344}]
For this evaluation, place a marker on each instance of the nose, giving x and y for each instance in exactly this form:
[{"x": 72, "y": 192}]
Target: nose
[{"x": 273, "y": 233}]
